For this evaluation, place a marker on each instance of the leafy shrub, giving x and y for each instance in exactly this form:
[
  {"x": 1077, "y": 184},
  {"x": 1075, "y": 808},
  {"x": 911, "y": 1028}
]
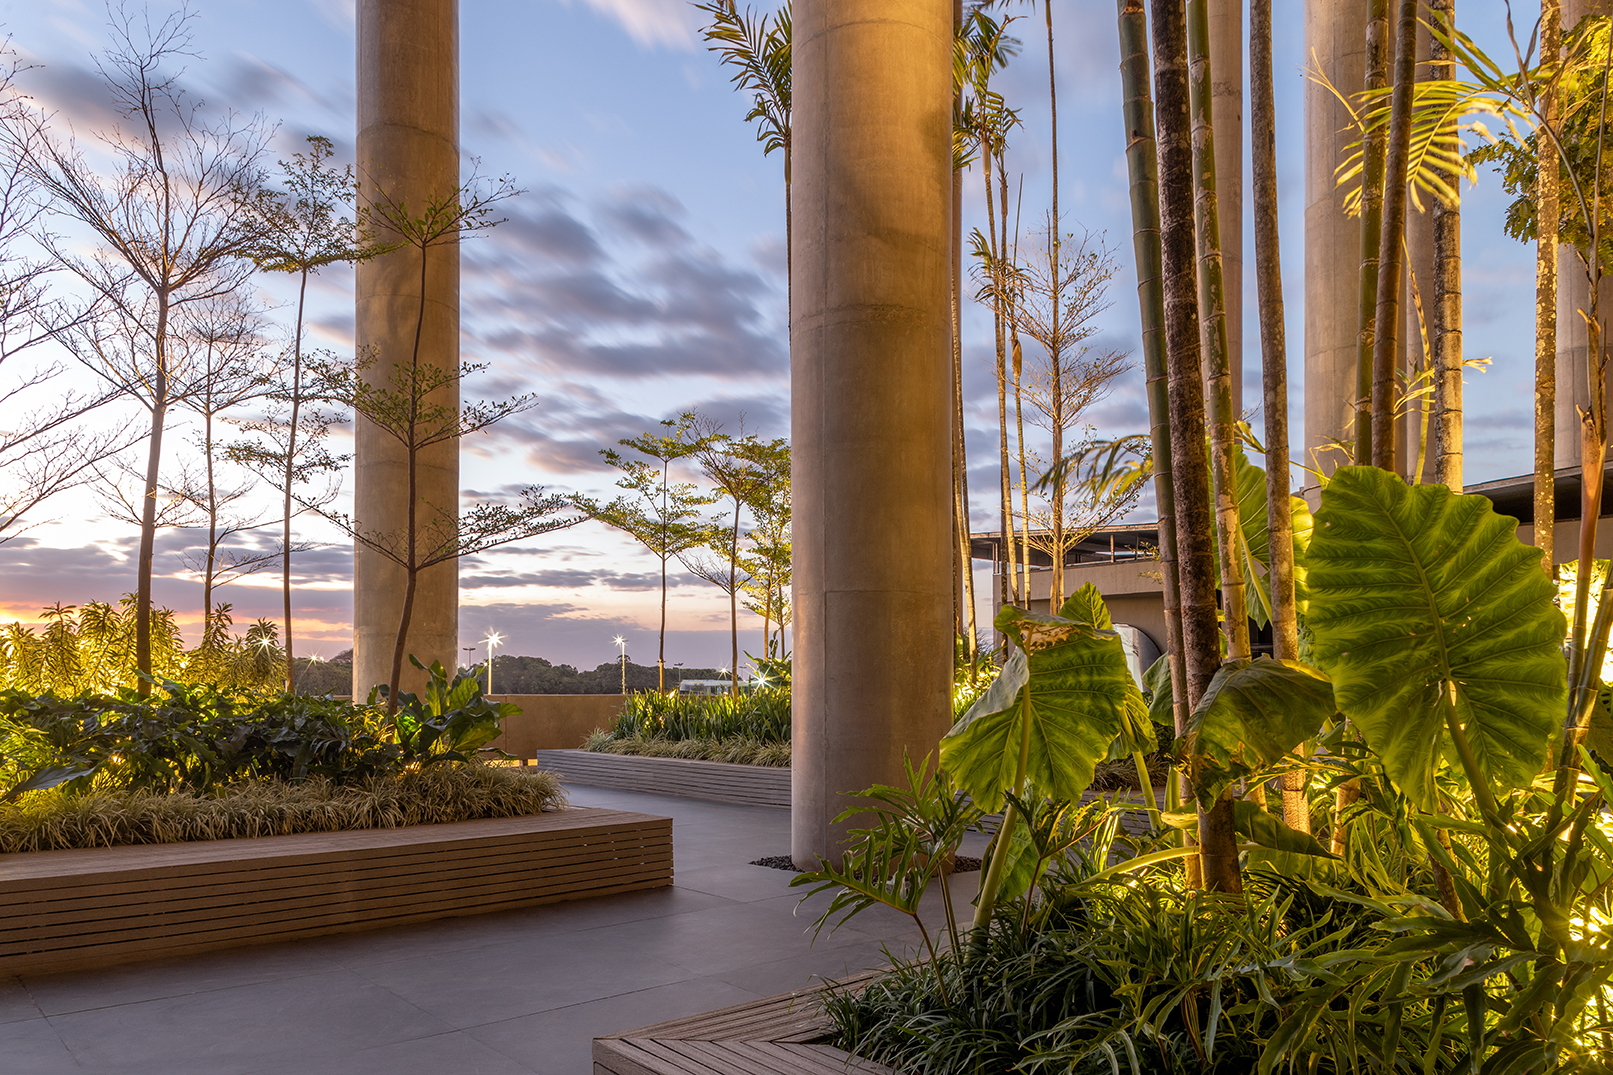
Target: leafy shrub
[
  {"x": 198, "y": 738},
  {"x": 736, "y": 750},
  {"x": 91, "y": 649},
  {"x": 763, "y": 716},
  {"x": 54, "y": 819}
]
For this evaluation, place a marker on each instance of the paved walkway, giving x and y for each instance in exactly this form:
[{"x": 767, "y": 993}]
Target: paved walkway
[{"x": 502, "y": 994}]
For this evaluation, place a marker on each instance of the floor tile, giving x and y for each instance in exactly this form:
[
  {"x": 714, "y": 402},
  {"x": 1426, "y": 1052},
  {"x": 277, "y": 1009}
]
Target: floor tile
[
  {"x": 16, "y": 1004},
  {"x": 560, "y": 1042},
  {"x": 456, "y": 1053},
  {"x": 32, "y": 1047},
  {"x": 243, "y": 1029}
]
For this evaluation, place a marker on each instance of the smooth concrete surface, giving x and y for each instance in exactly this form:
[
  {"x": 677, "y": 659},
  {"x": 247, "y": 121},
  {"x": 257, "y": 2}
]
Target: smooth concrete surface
[
  {"x": 553, "y": 721},
  {"x": 870, "y": 401},
  {"x": 503, "y": 994},
  {"x": 1573, "y": 297},
  {"x": 408, "y": 149},
  {"x": 1335, "y": 35}
]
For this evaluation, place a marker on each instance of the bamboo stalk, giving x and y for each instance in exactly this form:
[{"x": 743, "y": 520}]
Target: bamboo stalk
[
  {"x": 1391, "y": 251},
  {"x": 1372, "y": 150},
  {"x": 1548, "y": 215}
]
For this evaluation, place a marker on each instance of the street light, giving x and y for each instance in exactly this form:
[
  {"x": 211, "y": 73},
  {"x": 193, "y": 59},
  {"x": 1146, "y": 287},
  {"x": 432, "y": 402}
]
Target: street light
[
  {"x": 493, "y": 639},
  {"x": 622, "y": 645}
]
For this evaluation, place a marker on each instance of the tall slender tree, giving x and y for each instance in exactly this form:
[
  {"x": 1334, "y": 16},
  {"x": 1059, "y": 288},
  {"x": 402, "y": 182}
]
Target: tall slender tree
[
  {"x": 1195, "y": 523},
  {"x": 1142, "y": 166},
  {"x": 1391, "y": 245},
  {"x": 174, "y": 223},
  {"x": 1379, "y": 49},
  {"x": 1547, "y": 216},
  {"x": 308, "y": 230},
  {"x": 1274, "y": 371},
  {"x": 660, "y": 514}
]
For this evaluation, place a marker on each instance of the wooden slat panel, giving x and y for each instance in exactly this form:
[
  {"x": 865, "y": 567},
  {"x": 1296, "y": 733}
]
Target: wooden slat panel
[
  {"x": 753, "y": 785},
  {"x": 74, "y": 909}
]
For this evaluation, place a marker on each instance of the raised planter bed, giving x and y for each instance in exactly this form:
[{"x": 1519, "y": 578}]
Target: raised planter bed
[
  {"x": 780, "y": 1035},
  {"x": 716, "y": 781},
  {"x": 65, "y": 910}
]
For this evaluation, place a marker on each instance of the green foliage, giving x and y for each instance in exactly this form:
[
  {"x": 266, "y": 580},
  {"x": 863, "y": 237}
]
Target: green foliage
[
  {"x": 762, "y": 715},
  {"x": 1051, "y": 714},
  {"x": 735, "y": 750},
  {"x": 90, "y": 648},
  {"x": 1437, "y": 628},
  {"x": 450, "y": 723},
  {"x": 1252, "y": 715},
  {"x": 58, "y": 819}
]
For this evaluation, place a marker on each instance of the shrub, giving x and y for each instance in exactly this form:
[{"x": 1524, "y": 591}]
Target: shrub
[
  {"x": 56, "y": 819},
  {"x": 763, "y": 716},
  {"x": 736, "y": 750}
]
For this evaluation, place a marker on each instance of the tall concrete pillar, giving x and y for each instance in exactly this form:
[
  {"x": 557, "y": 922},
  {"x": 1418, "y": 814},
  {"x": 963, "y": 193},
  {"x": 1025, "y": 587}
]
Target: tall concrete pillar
[
  {"x": 1226, "y": 115},
  {"x": 870, "y": 381},
  {"x": 1573, "y": 296},
  {"x": 1335, "y": 34},
  {"x": 408, "y": 146}
]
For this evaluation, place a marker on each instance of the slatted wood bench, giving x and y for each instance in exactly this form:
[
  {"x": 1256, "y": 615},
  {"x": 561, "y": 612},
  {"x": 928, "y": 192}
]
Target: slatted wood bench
[
  {"x": 714, "y": 781},
  {"x": 65, "y": 910},
  {"x": 780, "y": 1035}
]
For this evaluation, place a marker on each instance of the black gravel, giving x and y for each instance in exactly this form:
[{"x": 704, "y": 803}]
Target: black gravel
[{"x": 961, "y": 864}]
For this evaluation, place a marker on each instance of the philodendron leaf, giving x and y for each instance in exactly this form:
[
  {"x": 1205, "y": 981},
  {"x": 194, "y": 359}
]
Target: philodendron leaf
[
  {"x": 1254, "y": 553},
  {"x": 1418, "y": 595},
  {"x": 1253, "y": 713},
  {"x": 1158, "y": 681},
  {"x": 1065, "y": 684},
  {"x": 1258, "y": 826},
  {"x": 1086, "y": 605}
]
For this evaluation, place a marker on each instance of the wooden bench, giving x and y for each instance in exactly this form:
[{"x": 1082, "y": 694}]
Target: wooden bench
[
  {"x": 65, "y": 910},
  {"x": 715, "y": 781},
  {"x": 780, "y": 1035}
]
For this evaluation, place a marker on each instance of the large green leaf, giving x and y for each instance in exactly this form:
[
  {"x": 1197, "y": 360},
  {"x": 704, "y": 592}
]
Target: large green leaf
[
  {"x": 1066, "y": 684},
  {"x": 1253, "y": 713},
  {"x": 1416, "y": 592},
  {"x": 1161, "y": 703},
  {"x": 1255, "y": 528},
  {"x": 1086, "y": 605}
]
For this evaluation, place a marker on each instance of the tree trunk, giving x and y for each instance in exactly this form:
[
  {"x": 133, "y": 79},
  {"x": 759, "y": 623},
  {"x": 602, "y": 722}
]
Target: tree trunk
[
  {"x": 1008, "y": 581},
  {"x": 1446, "y": 327},
  {"x": 1142, "y": 167},
  {"x": 1274, "y": 372},
  {"x": 733, "y": 599},
  {"x": 964, "y": 590},
  {"x": 1372, "y": 147},
  {"x": 1386, "y": 336},
  {"x": 212, "y": 524},
  {"x": 1190, "y": 468},
  {"x": 148, "y": 504},
  {"x": 1217, "y": 362},
  {"x": 403, "y": 637},
  {"x": 1548, "y": 215},
  {"x": 291, "y": 465},
  {"x": 1055, "y": 237}
]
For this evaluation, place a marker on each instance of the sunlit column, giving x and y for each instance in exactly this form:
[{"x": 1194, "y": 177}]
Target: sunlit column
[{"x": 870, "y": 413}]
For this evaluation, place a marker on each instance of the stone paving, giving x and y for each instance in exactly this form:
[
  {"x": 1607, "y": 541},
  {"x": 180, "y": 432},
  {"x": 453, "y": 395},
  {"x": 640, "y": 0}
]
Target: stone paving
[{"x": 501, "y": 994}]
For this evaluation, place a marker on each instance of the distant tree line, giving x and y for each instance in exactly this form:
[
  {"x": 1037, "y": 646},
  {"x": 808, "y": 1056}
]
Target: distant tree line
[{"x": 512, "y": 675}]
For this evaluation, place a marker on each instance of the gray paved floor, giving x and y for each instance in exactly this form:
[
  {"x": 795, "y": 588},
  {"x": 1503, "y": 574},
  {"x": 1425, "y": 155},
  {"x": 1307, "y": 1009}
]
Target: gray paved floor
[{"x": 500, "y": 994}]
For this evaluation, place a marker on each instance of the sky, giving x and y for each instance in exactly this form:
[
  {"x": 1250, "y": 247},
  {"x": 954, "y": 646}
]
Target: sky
[{"x": 641, "y": 274}]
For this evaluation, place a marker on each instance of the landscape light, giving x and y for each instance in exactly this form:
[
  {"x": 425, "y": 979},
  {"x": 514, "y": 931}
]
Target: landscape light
[{"x": 493, "y": 639}]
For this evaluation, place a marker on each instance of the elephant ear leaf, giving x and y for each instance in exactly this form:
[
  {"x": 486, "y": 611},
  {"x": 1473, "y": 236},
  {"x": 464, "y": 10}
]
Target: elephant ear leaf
[
  {"x": 1086, "y": 605},
  {"x": 1419, "y": 600},
  {"x": 1161, "y": 691},
  {"x": 1062, "y": 692},
  {"x": 1252, "y": 713}
]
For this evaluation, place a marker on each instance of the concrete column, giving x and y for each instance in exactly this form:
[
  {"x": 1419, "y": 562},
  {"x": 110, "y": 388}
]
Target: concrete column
[
  {"x": 1227, "y": 45},
  {"x": 1335, "y": 34},
  {"x": 1574, "y": 295},
  {"x": 870, "y": 414},
  {"x": 408, "y": 146}
]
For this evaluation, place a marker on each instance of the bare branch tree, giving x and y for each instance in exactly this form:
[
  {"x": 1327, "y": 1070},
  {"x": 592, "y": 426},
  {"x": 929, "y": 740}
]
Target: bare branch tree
[{"x": 174, "y": 221}]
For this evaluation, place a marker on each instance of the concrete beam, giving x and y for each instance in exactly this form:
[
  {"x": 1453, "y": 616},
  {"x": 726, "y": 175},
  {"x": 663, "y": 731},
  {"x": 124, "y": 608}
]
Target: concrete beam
[
  {"x": 870, "y": 411},
  {"x": 408, "y": 146}
]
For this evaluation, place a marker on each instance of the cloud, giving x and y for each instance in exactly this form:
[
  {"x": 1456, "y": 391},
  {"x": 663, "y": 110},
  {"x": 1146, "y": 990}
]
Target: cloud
[
  {"x": 651, "y": 23},
  {"x": 626, "y": 292}
]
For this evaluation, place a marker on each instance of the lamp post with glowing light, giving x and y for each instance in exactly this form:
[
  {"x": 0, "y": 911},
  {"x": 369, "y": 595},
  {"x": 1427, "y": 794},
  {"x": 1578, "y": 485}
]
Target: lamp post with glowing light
[
  {"x": 493, "y": 639},
  {"x": 621, "y": 643}
]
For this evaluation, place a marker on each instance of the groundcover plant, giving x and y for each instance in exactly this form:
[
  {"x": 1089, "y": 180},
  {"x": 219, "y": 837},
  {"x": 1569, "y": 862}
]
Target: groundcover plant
[{"x": 1453, "y": 916}]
